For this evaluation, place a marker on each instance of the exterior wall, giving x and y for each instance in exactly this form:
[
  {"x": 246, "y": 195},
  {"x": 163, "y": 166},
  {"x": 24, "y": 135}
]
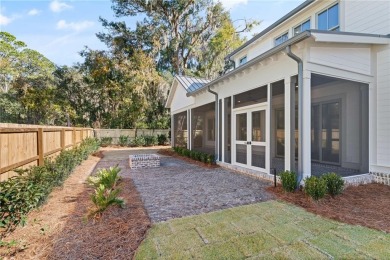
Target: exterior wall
[
  {"x": 180, "y": 101},
  {"x": 367, "y": 16},
  {"x": 266, "y": 42}
]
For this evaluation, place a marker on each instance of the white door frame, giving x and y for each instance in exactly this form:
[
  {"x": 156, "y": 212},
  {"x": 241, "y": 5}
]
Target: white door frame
[{"x": 248, "y": 110}]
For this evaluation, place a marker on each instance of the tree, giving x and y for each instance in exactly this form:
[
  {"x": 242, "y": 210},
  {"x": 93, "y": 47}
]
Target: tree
[{"x": 175, "y": 33}]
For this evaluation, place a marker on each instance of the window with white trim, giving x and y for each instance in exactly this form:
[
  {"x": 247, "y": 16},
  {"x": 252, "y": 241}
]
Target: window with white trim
[
  {"x": 329, "y": 19},
  {"x": 302, "y": 27},
  {"x": 243, "y": 60},
  {"x": 281, "y": 39}
]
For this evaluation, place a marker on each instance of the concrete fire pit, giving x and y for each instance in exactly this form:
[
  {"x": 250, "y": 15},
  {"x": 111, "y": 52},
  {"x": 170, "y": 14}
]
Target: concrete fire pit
[{"x": 144, "y": 161}]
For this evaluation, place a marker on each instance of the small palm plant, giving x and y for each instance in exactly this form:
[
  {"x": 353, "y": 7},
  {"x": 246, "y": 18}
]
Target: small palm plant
[
  {"x": 105, "y": 193},
  {"x": 108, "y": 177}
]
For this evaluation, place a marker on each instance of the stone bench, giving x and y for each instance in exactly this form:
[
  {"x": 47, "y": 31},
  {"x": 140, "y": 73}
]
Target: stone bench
[{"x": 144, "y": 161}]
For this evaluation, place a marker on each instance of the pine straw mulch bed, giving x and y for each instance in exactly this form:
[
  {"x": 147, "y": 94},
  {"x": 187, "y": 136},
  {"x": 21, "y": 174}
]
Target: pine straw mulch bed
[
  {"x": 60, "y": 230},
  {"x": 172, "y": 153},
  {"x": 365, "y": 205}
]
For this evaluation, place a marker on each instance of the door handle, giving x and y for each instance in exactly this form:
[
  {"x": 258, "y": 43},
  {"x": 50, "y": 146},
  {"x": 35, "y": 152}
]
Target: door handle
[{"x": 248, "y": 142}]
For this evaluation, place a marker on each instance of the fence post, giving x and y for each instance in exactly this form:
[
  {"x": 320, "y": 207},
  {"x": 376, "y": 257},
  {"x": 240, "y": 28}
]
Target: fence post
[
  {"x": 74, "y": 137},
  {"x": 82, "y": 135},
  {"x": 63, "y": 139},
  {"x": 40, "y": 147}
]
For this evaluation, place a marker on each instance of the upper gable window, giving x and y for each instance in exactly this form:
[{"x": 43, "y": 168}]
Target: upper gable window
[
  {"x": 243, "y": 60},
  {"x": 329, "y": 19},
  {"x": 302, "y": 27},
  {"x": 281, "y": 39}
]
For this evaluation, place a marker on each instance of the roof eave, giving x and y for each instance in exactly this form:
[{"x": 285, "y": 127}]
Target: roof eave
[
  {"x": 271, "y": 27},
  {"x": 300, "y": 37}
]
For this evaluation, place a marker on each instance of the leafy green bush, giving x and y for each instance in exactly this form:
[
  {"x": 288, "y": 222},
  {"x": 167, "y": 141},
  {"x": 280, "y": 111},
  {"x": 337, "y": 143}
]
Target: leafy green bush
[
  {"x": 289, "y": 181},
  {"x": 28, "y": 190},
  {"x": 150, "y": 140},
  {"x": 105, "y": 141},
  {"x": 138, "y": 141},
  {"x": 334, "y": 183},
  {"x": 106, "y": 177},
  {"x": 124, "y": 140},
  {"x": 195, "y": 155},
  {"x": 315, "y": 187},
  {"x": 162, "y": 139}
]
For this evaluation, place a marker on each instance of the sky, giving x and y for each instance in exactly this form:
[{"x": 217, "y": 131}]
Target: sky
[{"x": 60, "y": 29}]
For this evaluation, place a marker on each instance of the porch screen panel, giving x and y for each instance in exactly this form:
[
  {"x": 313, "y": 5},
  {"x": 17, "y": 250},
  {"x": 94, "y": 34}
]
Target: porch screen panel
[
  {"x": 331, "y": 132},
  {"x": 251, "y": 97},
  {"x": 258, "y": 156},
  {"x": 180, "y": 129},
  {"x": 203, "y": 128},
  {"x": 227, "y": 128}
]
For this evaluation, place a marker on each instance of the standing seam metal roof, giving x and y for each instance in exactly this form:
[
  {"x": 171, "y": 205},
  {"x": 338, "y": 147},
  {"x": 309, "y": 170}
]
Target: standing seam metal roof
[{"x": 192, "y": 84}]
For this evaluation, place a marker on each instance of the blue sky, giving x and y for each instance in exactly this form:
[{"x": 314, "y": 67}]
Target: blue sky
[{"x": 60, "y": 29}]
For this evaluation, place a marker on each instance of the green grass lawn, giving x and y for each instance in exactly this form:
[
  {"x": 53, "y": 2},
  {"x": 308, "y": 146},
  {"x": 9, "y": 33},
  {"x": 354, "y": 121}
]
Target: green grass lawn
[{"x": 269, "y": 230}]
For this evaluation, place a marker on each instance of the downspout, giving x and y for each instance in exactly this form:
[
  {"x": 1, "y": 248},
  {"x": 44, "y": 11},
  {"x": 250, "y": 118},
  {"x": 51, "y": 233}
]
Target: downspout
[
  {"x": 216, "y": 121},
  {"x": 300, "y": 110}
]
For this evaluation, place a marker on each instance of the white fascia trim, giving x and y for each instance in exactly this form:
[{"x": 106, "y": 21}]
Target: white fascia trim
[{"x": 340, "y": 38}]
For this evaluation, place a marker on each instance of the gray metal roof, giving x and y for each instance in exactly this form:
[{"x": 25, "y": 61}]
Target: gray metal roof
[
  {"x": 272, "y": 26},
  {"x": 191, "y": 84}
]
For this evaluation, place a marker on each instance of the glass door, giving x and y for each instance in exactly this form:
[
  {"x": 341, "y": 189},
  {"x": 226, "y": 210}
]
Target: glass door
[{"x": 249, "y": 137}]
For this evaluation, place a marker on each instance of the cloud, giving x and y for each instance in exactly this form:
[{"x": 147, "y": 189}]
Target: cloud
[
  {"x": 33, "y": 12},
  {"x": 229, "y": 4},
  {"x": 4, "y": 20},
  {"x": 57, "y": 6},
  {"x": 75, "y": 26}
]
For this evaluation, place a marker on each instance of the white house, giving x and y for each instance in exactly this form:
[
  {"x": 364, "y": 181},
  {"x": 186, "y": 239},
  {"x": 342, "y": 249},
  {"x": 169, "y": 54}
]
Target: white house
[{"x": 310, "y": 93}]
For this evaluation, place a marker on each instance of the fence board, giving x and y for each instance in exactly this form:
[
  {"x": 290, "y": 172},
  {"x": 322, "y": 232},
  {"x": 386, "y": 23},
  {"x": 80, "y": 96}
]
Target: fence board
[{"x": 25, "y": 145}]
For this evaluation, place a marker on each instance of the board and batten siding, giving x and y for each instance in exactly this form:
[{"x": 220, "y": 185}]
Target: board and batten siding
[
  {"x": 367, "y": 16},
  {"x": 383, "y": 107}
]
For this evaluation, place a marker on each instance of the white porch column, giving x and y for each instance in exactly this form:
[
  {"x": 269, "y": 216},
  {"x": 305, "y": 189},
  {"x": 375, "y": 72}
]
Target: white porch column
[
  {"x": 222, "y": 155},
  {"x": 306, "y": 125},
  {"x": 172, "y": 131},
  {"x": 268, "y": 130},
  {"x": 287, "y": 123},
  {"x": 372, "y": 118},
  {"x": 188, "y": 128}
]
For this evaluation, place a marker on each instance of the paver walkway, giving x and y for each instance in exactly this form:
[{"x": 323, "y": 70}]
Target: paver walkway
[{"x": 179, "y": 188}]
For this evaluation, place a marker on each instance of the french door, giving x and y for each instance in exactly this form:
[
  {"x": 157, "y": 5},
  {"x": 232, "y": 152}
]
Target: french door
[{"x": 249, "y": 148}]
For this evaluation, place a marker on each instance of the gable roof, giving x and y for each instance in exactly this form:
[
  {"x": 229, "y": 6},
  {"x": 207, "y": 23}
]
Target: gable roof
[
  {"x": 191, "y": 84},
  {"x": 272, "y": 26}
]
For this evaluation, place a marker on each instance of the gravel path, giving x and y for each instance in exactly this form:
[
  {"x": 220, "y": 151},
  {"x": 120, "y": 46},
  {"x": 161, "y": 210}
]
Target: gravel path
[{"x": 179, "y": 188}]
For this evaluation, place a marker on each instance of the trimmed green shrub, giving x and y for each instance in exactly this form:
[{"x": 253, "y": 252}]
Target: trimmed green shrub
[
  {"x": 162, "y": 139},
  {"x": 138, "y": 141},
  {"x": 150, "y": 140},
  {"x": 22, "y": 193},
  {"x": 334, "y": 183},
  {"x": 315, "y": 187},
  {"x": 105, "y": 141},
  {"x": 195, "y": 155},
  {"x": 124, "y": 140},
  {"x": 289, "y": 181}
]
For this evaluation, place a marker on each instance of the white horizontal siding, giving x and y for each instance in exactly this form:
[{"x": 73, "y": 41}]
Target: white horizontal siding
[
  {"x": 383, "y": 107},
  {"x": 367, "y": 16},
  {"x": 352, "y": 59}
]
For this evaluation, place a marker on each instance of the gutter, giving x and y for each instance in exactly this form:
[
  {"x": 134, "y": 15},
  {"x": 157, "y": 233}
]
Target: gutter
[
  {"x": 216, "y": 128},
  {"x": 300, "y": 37},
  {"x": 300, "y": 110}
]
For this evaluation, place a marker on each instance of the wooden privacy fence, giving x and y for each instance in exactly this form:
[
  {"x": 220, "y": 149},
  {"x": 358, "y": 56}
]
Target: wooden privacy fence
[{"x": 27, "y": 145}]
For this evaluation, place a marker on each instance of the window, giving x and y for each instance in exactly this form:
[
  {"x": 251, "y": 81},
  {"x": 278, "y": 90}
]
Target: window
[
  {"x": 281, "y": 39},
  {"x": 329, "y": 19},
  {"x": 302, "y": 27},
  {"x": 243, "y": 60}
]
